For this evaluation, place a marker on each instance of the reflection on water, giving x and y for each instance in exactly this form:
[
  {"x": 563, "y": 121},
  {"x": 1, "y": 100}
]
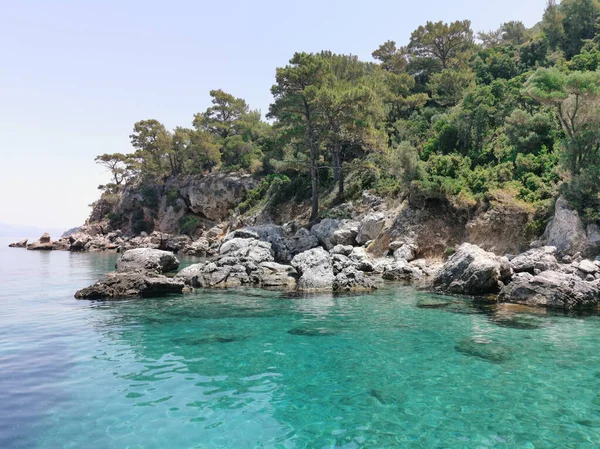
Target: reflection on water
[{"x": 252, "y": 368}]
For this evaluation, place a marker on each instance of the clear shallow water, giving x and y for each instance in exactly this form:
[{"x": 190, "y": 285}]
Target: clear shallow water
[{"x": 256, "y": 369}]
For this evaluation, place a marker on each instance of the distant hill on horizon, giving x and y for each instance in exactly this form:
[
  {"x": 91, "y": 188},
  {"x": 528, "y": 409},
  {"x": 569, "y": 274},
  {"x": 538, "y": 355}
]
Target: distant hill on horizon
[{"x": 29, "y": 232}]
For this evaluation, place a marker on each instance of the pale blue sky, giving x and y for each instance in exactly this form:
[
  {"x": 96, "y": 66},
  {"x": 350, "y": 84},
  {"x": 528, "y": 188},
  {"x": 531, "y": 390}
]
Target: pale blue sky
[{"x": 76, "y": 75}]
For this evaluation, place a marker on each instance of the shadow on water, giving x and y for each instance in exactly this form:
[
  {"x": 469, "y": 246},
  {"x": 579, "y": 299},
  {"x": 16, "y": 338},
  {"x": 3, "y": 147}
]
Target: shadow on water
[
  {"x": 513, "y": 316},
  {"x": 21, "y": 398},
  {"x": 311, "y": 332},
  {"x": 209, "y": 339}
]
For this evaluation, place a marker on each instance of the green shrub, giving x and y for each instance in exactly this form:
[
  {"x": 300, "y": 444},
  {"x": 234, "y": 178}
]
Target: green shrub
[
  {"x": 150, "y": 197},
  {"x": 172, "y": 196},
  {"x": 114, "y": 218},
  {"x": 188, "y": 224},
  {"x": 139, "y": 223}
]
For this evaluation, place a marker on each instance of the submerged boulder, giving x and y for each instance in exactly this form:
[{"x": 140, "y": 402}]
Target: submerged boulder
[
  {"x": 315, "y": 269},
  {"x": 473, "y": 271},
  {"x": 147, "y": 260},
  {"x": 125, "y": 285},
  {"x": 486, "y": 350},
  {"x": 552, "y": 289}
]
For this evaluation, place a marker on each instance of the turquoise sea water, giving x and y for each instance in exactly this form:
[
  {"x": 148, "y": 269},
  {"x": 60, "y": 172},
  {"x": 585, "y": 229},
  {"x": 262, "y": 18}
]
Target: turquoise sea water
[{"x": 256, "y": 369}]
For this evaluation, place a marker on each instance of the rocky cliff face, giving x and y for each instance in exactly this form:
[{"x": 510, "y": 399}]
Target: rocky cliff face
[
  {"x": 567, "y": 232},
  {"x": 191, "y": 214},
  {"x": 206, "y": 200}
]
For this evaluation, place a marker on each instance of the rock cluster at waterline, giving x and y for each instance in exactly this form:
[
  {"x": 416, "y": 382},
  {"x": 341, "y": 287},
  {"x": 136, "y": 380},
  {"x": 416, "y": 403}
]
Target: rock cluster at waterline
[
  {"x": 139, "y": 274},
  {"x": 535, "y": 277}
]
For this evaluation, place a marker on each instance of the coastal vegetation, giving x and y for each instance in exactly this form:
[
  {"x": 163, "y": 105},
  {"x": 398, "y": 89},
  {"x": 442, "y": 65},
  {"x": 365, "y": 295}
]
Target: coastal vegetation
[{"x": 453, "y": 116}]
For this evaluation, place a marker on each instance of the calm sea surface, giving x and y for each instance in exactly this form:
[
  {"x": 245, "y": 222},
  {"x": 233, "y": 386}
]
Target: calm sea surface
[{"x": 255, "y": 369}]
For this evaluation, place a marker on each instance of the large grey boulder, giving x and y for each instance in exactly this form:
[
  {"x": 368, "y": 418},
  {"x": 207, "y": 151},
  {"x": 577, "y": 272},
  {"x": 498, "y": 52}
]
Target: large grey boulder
[
  {"x": 588, "y": 267},
  {"x": 284, "y": 243},
  {"x": 43, "y": 244},
  {"x": 272, "y": 274},
  {"x": 340, "y": 262},
  {"x": 324, "y": 231},
  {"x": 61, "y": 244},
  {"x": 147, "y": 260},
  {"x": 407, "y": 251},
  {"x": 346, "y": 234},
  {"x": 566, "y": 231},
  {"x": 79, "y": 242},
  {"x": 351, "y": 279},
  {"x": 370, "y": 227},
  {"x": 472, "y": 271},
  {"x": 222, "y": 274},
  {"x": 176, "y": 243},
  {"x": 345, "y": 250},
  {"x": 361, "y": 260},
  {"x": 129, "y": 284},
  {"x": 542, "y": 259},
  {"x": 552, "y": 289},
  {"x": 199, "y": 248},
  {"x": 214, "y": 196},
  {"x": 211, "y": 274},
  {"x": 315, "y": 269},
  {"x": 401, "y": 270},
  {"x": 247, "y": 250}
]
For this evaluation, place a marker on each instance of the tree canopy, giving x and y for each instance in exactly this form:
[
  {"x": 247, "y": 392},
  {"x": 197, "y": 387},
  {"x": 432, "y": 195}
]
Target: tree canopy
[{"x": 442, "y": 117}]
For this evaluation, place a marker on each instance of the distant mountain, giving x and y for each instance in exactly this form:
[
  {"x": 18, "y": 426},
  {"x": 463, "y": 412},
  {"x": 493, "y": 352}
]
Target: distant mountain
[{"x": 30, "y": 232}]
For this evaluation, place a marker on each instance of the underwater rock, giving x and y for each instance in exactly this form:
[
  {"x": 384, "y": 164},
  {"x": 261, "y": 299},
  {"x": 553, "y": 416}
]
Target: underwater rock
[
  {"x": 526, "y": 322},
  {"x": 484, "y": 350},
  {"x": 311, "y": 332},
  {"x": 209, "y": 339},
  {"x": 433, "y": 303}
]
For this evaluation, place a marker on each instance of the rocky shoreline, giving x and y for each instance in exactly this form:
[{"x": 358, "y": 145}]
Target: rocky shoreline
[
  {"x": 534, "y": 278},
  {"x": 341, "y": 255}
]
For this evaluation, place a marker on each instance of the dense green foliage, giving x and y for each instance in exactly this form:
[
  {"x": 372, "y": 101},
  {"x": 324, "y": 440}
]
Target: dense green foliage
[{"x": 448, "y": 117}]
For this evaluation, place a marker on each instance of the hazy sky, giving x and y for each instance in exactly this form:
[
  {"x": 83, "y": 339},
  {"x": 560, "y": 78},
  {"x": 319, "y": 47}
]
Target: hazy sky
[{"x": 76, "y": 75}]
